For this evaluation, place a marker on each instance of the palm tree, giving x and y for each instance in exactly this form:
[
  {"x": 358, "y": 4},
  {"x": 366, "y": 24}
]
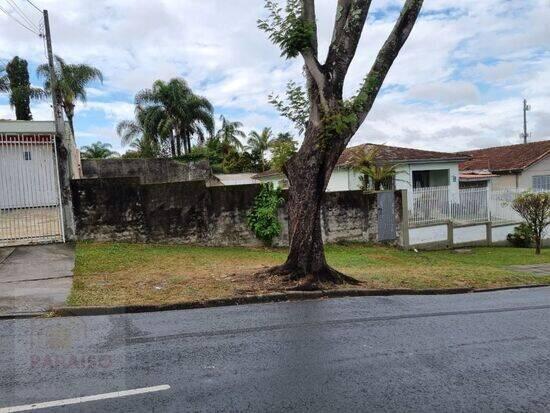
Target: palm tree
[
  {"x": 98, "y": 150},
  {"x": 259, "y": 143},
  {"x": 72, "y": 80},
  {"x": 374, "y": 173},
  {"x": 229, "y": 133},
  {"x": 138, "y": 133},
  {"x": 177, "y": 114}
]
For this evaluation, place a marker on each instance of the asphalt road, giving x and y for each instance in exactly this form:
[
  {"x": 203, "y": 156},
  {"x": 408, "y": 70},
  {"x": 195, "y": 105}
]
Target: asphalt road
[{"x": 476, "y": 352}]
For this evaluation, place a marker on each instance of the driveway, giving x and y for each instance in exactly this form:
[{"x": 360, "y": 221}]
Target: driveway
[
  {"x": 462, "y": 353},
  {"x": 35, "y": 278}
]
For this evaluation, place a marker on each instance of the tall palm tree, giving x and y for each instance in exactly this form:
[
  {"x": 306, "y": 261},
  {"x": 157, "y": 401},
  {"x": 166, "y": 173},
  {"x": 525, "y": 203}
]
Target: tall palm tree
[
  {"x": 230, "y": 132},
  {"x": 72, "y": 81},
  {"x": 177, "y": 114},
  {"x": 98, "y": 150},
  {"x": 259, "y": 144}
]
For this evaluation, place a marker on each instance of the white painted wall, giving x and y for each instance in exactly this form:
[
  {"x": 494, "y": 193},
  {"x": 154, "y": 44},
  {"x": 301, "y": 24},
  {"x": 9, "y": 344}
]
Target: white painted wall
[
  {"x": 539, "y": 168},
  {"x": 462, "y": 235},
  {"x": 500, "y": 233},
  {"x": 426, "y": 235}
]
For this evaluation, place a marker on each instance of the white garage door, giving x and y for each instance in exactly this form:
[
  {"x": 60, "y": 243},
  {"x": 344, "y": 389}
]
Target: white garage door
[{"x": 29, "y": 190}]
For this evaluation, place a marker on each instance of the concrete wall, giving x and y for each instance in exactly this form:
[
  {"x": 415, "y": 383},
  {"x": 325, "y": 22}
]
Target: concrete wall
[
  {"x": 470, "y": 234},
  {"x": 428, "y": 235},
  {"x": 123, "y": 209},
  {"x": 150, "y": 171}
]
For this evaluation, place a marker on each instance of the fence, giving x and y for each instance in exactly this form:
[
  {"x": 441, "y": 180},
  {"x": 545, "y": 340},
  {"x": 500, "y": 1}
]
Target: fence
[{"x": 470, "y": 205}]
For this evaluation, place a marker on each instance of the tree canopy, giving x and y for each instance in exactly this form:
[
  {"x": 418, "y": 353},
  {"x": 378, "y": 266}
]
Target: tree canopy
[{"x": 72, "y": 82}]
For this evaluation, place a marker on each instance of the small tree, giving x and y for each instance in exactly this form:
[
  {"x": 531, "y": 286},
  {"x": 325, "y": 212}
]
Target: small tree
[
  {"x": 535, "y": 209},
  {"x": 16, "y": 82},
  {"x": 263, "y": 218},
  {"x": 374, "y": 173}
]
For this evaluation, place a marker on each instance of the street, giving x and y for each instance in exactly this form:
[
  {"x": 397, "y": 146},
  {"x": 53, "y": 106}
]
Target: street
[{"x": 475, "y": 352}]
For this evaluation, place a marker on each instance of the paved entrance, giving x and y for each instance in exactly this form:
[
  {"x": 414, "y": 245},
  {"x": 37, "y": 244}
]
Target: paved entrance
[
  {"x": 35, "y": 278},
  {"x": 534, "y": 269}
]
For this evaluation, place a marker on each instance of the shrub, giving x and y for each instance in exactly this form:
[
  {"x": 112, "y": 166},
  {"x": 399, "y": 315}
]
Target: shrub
[
  {"x": 263, "y": 218},
  {"x": 535, "y": 210},
  {"x": 522, "y": 236}
]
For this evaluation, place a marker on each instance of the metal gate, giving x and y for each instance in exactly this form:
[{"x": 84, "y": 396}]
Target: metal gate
[
  {"x": 386, "y": 216},
  {"x": 30, "y": 207}
]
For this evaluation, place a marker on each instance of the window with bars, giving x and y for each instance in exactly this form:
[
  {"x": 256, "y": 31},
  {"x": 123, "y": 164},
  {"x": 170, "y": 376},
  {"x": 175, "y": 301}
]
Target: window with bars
[
  {"x": 541, "y": 182},
  {"x": 27, "y": 156}
]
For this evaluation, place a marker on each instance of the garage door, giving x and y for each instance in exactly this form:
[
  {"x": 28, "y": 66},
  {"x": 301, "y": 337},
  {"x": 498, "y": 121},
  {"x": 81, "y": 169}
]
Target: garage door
[{"x": 30, "y": 210}]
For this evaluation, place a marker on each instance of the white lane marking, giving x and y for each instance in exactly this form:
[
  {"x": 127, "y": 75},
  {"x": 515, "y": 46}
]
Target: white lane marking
[{"x": 78, "y": 400}]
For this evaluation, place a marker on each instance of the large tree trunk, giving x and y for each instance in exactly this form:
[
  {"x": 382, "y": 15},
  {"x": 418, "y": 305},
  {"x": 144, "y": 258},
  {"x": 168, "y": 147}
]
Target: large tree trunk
[{"x": 308, "y": 172}]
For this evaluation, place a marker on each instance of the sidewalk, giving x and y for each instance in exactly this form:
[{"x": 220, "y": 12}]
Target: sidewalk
[{"x": 35, "y": 278}]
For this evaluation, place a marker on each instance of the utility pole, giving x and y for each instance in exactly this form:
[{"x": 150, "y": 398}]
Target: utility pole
[
  {"x": 62, "y": 140},
  {"x": 526, "y": 108}
]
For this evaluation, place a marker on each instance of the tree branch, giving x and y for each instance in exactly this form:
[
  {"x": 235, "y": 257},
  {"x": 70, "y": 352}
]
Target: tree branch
[
  {"x": 351, "y": 16},
  {"x": 386, "y": 56},
  {"x": 315, "y": 76}
]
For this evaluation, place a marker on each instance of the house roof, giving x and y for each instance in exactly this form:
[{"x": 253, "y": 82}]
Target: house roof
[
  {"x": 396, "y": 154},
  {"x": 483, "y": 175},
  {"x": 28, "y": 126},
  {"x": 392, "y": 154},
  {"x": 237, "y": 179},
  {"x": 507, "y": 159}
]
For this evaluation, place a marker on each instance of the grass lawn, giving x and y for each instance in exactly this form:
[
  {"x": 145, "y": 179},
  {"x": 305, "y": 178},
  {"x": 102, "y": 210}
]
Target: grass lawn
[{"x": 118, "y": 274}]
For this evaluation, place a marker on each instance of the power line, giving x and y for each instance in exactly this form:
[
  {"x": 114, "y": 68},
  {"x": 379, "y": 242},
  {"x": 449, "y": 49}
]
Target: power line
[
  {"x": 18, "y": 22},
  {"x": 18, "y": 10},
  {"x": 35, "y": 6}
]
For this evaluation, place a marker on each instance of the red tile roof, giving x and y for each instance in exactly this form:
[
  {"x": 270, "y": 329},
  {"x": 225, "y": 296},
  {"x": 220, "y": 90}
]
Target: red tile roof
[{"x": 504, "y": 159}]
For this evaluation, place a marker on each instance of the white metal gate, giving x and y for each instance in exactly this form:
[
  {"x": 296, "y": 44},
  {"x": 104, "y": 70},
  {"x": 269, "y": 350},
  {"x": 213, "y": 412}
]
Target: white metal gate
[{"x": 30, "y": 207}]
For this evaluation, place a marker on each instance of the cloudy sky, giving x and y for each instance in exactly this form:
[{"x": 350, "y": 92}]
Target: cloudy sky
[{"x": 458, "y": 83}]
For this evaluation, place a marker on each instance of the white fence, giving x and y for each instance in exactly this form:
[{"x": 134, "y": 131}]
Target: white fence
[{"x": 470, "y": 205}]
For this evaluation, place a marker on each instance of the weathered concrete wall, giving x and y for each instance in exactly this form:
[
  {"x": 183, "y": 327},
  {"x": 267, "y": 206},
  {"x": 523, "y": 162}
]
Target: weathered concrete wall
[
  {"x": 192, "y": 213},
  {"x": 150, "y": 171}
]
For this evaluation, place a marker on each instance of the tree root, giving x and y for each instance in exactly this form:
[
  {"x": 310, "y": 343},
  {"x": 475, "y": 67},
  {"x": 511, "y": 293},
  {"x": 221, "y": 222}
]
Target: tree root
[{"x": 301, "y": 281}]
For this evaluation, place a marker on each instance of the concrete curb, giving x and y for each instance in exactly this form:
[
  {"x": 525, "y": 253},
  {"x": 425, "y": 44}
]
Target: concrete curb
[
  {"x": 253, "y": 299},
  {"x": 250, "y": 299}
]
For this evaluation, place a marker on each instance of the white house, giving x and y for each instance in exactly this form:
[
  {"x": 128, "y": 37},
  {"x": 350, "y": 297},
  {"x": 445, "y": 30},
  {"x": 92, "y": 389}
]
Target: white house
[
  {"x": 522, "y": 166},
  {"x": 415, "y": 168}
]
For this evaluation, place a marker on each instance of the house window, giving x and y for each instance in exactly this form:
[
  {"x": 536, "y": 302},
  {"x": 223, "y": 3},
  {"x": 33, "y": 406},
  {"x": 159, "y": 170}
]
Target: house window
[
  {"x": 541, "y": 182},
  {"x": 27, "y": 156},
  {"x": 431, "y": 178}
]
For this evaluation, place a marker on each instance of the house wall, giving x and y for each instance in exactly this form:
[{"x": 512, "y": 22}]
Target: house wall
[
  {"x": 123, "y": 209},
  {"x": 404, "y": 177},
  {"x": 504, "y": 182},
  {"x": 539, "y": 168}
]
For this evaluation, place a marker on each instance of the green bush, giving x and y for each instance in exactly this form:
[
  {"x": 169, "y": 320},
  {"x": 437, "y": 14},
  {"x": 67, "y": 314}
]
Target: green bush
[
  {"x": 522, "y": 236},
  {"x": 263, "y": 218}
]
